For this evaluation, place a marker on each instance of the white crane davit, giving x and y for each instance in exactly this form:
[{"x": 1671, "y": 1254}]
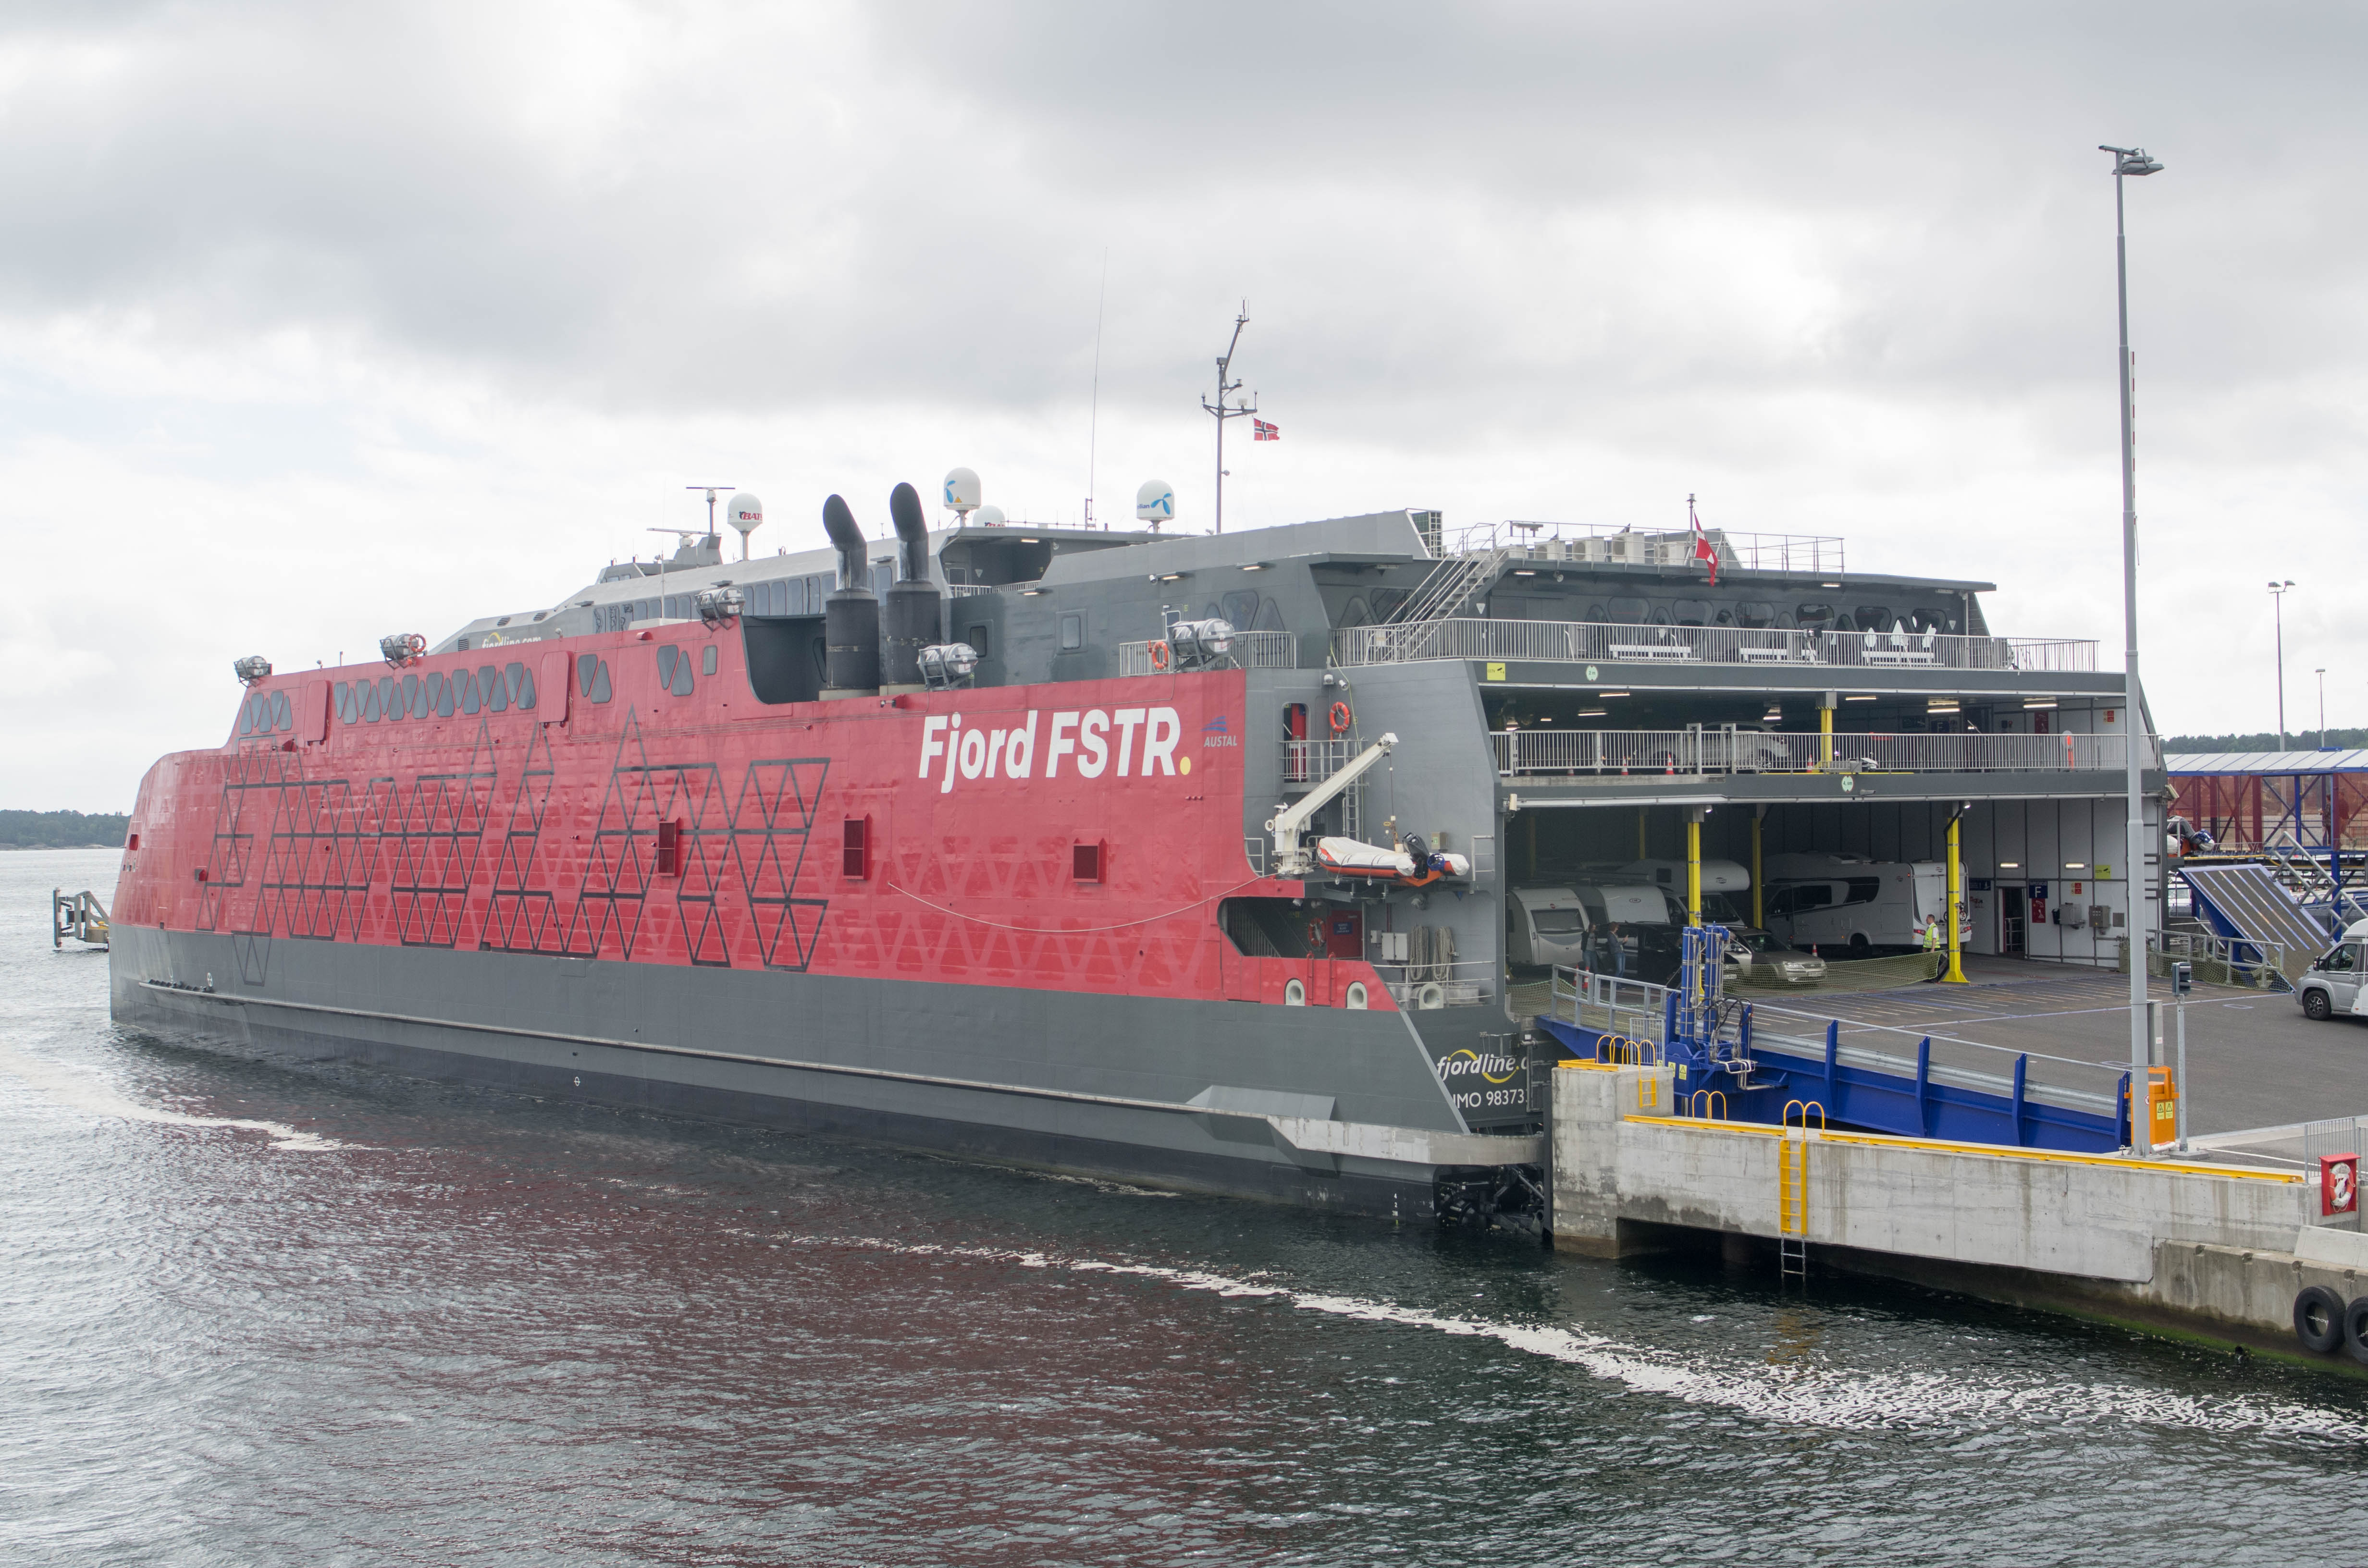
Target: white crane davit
[{"x": 1291, "y": 857}]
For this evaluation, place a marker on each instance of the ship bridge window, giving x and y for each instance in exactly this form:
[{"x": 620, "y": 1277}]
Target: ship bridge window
[
  {"x": 1387, "y": 602},
  {"x": 592, "y": 677},
  {"x": 1660, "y": 615},
  {"x": 1357, "y": 614},
  {"x": 1241, "y": 608},
  {"x": 349, "y": 711},
  {"x": 1270, "y": 616},
  {"x": 366, "y": 704},
  {"x": 1691, "y": 612},
  {"x": 1628, "y": 610},
  {"x": 1874, "y": 618},
  {"x": 1755, "y": 614},
  {"x": 1930, "y": 621},
  {"x": 518, "y": 682},
  {"x": 489, "y": 682},
  {"x": 409, "y": 705},
  {"x": 283, "y": 712},
  {"x": 674, "y": 670},
  {"x": 390, "y": 697},
  {"x": 1816, "y": 617}
]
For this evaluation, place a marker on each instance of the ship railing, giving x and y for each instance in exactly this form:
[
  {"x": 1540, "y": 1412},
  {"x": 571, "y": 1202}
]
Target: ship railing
[
  {"x": 1600, "y": 543},
  {"x": 1579, "y": 642},
  {"x": 970, "y": 590},
  {"x": 1527, "y": 753},
  {"x": 1459, "y": 982},
  {"x": 1610, "y": 1003},
  {"x": 1251, "y": 650}
]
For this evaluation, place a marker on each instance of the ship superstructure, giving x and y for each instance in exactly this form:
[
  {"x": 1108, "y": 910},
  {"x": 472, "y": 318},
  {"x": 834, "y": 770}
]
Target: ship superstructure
[{"x": 1180, "y": 858}]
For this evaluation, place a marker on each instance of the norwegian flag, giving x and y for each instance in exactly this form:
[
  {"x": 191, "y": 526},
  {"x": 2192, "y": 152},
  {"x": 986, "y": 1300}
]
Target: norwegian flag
[
  {"x": 1262, "y": 431},
  {"x": 1704, "y": 548}
]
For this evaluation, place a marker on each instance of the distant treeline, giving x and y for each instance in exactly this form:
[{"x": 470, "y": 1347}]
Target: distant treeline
[
  {"x": 2296, "y": 740},
  {"x": 60, "y": 830}
]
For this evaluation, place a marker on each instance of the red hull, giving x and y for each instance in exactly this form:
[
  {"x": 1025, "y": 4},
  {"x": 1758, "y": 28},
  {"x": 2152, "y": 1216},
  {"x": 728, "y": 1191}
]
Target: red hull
[{"x": 647, "y": 808}]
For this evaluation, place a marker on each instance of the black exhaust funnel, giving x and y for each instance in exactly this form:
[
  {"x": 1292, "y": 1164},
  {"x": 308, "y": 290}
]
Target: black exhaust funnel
[
  {"x": 851, "y": 616},
  {"x": 912, "y": 610}
]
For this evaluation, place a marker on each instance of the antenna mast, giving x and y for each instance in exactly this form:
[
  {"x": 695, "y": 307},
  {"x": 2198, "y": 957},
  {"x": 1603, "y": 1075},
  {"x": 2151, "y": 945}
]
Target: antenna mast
[
  {"x": 1222, "y": 411},
  {"x": 1093, "y": 419}
]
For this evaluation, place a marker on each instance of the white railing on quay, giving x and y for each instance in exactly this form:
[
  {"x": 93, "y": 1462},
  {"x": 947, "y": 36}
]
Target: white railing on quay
[
  {"x": 1579, "y": 642},
  {"x": 1251, "y": 650},
  {"x": 1531, "y": 753},
  {"x": 1585, "y": 999}
]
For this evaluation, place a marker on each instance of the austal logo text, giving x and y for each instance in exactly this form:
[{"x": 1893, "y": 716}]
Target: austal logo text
[{"x": 1085, "y": 737}]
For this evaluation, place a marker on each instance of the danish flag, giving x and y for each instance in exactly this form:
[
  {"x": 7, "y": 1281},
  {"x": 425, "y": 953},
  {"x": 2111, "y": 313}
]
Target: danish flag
[
  {"x": 1704, "y": 548},
  {"x": 1262, "y": 431}
]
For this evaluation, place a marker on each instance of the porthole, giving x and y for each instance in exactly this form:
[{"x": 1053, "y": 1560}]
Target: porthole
[
  {"x": 1295, "y": 994},
  {"x": 1356, "y": 996}
]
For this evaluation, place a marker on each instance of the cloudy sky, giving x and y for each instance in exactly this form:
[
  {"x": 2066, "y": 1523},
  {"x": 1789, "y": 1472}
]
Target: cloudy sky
[{"x": 323, "y": 321}]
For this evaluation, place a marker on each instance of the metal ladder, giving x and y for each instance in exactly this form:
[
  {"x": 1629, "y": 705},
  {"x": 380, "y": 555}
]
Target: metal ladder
[
  {"x": 1452, "y": 585},
  {"x": 1792, "y": 1258}
]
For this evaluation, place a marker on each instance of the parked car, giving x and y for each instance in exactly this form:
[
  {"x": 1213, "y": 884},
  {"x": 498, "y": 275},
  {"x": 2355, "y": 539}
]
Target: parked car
[{"x": 1755, "y": 955}]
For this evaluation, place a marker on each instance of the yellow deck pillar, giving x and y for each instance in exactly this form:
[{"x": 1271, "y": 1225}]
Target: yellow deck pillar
[
  {"x": 1956, "y": 972},
  {"x": 1693, "y": 866}
]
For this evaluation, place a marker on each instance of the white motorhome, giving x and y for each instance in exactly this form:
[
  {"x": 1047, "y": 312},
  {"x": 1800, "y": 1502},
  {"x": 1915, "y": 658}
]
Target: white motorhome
[
  {"x": 1717, "y": 875},
  {"x": 1847, "y": 901}
]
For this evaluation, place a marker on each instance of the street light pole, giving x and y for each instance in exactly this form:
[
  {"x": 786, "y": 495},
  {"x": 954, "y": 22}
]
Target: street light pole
[
  {"x": 2322, "y": 708},
  {"x": 2278, "y": 615},
  {"x": 2128, "y": 162}
]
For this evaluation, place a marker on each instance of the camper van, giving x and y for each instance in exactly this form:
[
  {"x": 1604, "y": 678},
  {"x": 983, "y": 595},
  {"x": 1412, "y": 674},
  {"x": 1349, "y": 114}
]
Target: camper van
[
  {"x": 1847, "y": 901},
  {"x": 1555, "y": 925},
  {"x": 2333, "y": 984}
]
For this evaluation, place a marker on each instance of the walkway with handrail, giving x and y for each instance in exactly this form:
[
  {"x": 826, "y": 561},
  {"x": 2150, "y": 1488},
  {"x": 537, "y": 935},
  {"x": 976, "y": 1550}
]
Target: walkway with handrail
[
  {"x": 1579, "y": 642},
  {"x": 1542, "y": 752}
]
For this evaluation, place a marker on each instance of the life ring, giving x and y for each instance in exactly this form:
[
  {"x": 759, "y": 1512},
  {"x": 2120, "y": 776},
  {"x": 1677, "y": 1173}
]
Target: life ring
[
  {"x": 2318, "y": 1314},
  {"x": 418, "y": 644},
  {"x": 1160, "y": 656},
  {"x": 1340, "y": 717},
  {"x": 1316, "y": 943}
]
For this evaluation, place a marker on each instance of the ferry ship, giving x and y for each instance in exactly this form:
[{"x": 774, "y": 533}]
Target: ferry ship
[{"x": 1173, "y": 858}]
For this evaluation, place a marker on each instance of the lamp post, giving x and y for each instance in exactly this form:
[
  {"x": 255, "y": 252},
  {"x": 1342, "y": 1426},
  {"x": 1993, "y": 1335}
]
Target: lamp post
[
  {"x": 2278, "y": 592},
  {"x": 2322, "y": 708},
  {"x": 2129, "y": 162}
]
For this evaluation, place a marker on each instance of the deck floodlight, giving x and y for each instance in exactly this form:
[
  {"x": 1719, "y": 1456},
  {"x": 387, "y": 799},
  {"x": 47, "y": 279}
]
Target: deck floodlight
[{"x": 252, "y": 669}]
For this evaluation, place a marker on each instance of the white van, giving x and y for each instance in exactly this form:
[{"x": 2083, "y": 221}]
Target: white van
[{"x": 1847, "y": 901}]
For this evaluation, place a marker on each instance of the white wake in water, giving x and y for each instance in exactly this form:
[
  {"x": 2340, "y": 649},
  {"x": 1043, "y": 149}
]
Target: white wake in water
[
  {"x": 80, "y": 1090},
  {"x": 1836, "y": 1397}
]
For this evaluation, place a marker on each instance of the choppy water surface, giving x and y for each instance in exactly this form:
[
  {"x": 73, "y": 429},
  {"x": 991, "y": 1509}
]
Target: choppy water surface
[{"x": 258, "y": 1313}]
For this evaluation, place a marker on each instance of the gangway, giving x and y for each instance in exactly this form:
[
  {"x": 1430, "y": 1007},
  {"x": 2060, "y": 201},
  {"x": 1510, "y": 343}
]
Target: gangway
[
  {"x": 2247, "y": 903},
  {"x": 79, "y": 915}
]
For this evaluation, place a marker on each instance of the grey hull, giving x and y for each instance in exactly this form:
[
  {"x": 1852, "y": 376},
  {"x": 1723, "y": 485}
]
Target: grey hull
[{"x": 1322, "y": 1106}]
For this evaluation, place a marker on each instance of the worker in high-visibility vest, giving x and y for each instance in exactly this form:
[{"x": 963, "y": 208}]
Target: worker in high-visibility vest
[{"x": 1934, "y": 940}]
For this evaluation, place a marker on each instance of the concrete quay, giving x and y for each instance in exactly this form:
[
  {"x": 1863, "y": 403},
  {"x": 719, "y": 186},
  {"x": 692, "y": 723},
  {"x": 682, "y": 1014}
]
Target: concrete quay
[{"x": 2196, "y": 1247}]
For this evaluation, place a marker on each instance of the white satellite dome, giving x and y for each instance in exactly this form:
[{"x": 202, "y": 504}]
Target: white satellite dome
[
  {"x": 961, "y": 490},
  {"x": 1154, "y": 503},
  {"x": 746, "y": 514},
  {"x": 988, "y": 517}
]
